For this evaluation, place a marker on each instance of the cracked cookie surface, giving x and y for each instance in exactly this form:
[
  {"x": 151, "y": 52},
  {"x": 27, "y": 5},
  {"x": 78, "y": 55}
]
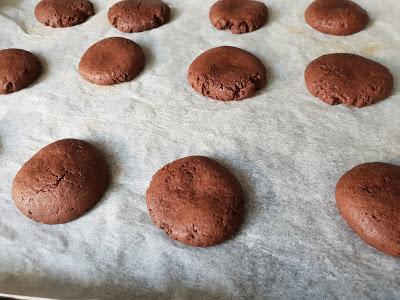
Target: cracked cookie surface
[
  {"x": 349, "y": 79},
  {"x": 196, "y": 201},
  {"x": 18, "y": 69},
  {"x": 60, "y": 182},
  {"x": 238, "y": 16},
  {"x": 227, "y": 73},
  {"x": 111, "y": 61},
  {"x": 368, "y": 198},
  {"x": 138, "y": 15},
  {"x": 336, "y": 17},
  {"x": 63, "y": 13}
]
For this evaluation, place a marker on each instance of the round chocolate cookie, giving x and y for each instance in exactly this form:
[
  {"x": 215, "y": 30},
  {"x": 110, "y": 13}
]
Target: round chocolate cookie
[
  {"x": 239, "y": 16},
  {"x": 227, "y": 73},
  {"x": 336, "y": 17},
  {"x": 196, "y": 201},
  {"x": 18, "y": 69},
  {"x": 112, "y": 60},
  {"x": 138, "y": 15},
  {"x": 60, "y": 182},
  {"x": 63, "y": 13},
  {"x": 349, "y": 79},
  {"x": 368, "y": 197}
]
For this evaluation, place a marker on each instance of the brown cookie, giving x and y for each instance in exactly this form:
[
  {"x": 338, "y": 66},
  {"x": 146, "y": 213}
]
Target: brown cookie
[
  {"x": 63, "y": 13},
  {"x": 349, "y": 79},
  {"x": 239, "y": 16},
  {"x": 18, "y": 69},
  {"x": 227, "y": 73},
  {"x": 336, "y": 17},
  {"x": 112, "y": 60},
  {"x": 138, "y": 15},
  {"x": 196, "y": 201},
  {"x": 368, "y": 197},
  {"x": 60, "y": 182}
]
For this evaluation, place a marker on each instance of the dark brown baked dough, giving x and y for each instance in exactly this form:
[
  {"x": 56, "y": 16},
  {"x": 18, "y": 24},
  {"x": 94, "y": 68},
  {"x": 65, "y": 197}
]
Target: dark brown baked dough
[
  {"x": 60, "y": 182},
  {"x": 227, "y": 73},
  {"x": 18, "y": 69},
  {"x": 112, "y": 60},
  {"x": 349, "y": 79},
  {"x": 239, "y": 16},
  {"x": 138, "y": 15},
  {"x": 368, "y": 197},
  {"x": 336, "y": 17},
  {"x": 63, "y": 13},
  {"x": 196, "y": 201}
]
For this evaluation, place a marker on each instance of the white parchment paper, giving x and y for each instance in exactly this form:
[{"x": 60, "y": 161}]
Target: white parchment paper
[{"x": 287, "y": 148}]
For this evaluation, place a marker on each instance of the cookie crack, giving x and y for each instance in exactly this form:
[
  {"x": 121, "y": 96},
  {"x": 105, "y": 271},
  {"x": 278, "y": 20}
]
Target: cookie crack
[
  {"x": 237, "y": 89},
  {"x": 51, "y": 187},
  {"x": 80, "y": 7},
  {"x": 10, "y": 87},
  {"x": 59, "y": 178},
  {"x": 157, "y": 20},
  {"x": 256, "y": 80},
  {"x": 234, "y": 26}
]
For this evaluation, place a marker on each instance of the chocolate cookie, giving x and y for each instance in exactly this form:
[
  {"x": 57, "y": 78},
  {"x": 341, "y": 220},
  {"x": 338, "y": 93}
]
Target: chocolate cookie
[
  {"x": 349, "y": 79},
  {"x": 63, "y": 13},
  {"x": 368, "y": 197},
  {"x": 227, "y": 73},
  {"x": 138, "y": 15},
  {"x": 112, "y": 60},
  {"x": 60, "y": 182},
  {"x": 196, "y": 201},
  {"x": 239, "y": 16},
  {"x": 336, "y": 17},
  {"x": 18, "y": 69}
]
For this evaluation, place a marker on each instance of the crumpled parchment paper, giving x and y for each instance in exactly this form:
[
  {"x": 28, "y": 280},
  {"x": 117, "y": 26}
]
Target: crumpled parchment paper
[{"x": 287, "y": 148}]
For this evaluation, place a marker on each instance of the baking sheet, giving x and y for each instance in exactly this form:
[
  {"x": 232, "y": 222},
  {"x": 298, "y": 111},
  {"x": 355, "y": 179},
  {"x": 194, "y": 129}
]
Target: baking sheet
[{"x": 287, "y": 149}]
